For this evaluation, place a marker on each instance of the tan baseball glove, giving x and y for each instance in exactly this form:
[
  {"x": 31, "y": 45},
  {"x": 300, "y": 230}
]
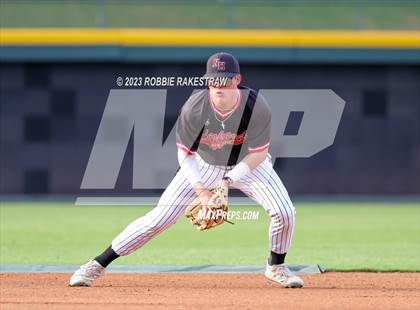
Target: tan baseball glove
[{"x": 215, "y": 214}]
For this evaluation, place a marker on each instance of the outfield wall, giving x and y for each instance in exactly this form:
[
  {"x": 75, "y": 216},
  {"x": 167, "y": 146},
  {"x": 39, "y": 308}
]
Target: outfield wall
[
  {"x": 192, "y": 45},
  {"x": 55, "y": 82}
]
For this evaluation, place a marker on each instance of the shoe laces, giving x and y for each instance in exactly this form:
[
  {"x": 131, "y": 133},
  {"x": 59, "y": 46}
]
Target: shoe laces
[
  {"x": 91, "y": 270},
  {"x": 282, "y": 271}
]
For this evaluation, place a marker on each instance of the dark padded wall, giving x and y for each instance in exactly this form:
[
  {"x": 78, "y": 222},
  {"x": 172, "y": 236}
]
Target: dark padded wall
[{"x": 49, "y": 115}]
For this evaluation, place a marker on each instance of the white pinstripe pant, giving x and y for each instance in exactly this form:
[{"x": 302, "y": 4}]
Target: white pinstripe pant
[{"x": 262, "y": 185}]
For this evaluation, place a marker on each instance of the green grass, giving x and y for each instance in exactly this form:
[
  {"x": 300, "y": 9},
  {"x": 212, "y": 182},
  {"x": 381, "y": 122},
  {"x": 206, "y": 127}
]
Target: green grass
[
  {"x": 345, "y": 236},
  {"x": 210, "y": 15}
]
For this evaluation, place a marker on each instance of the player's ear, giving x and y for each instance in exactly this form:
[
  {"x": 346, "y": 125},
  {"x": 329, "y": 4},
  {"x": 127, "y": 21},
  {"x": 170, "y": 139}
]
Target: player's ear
[{"x": 238, "y": 79}]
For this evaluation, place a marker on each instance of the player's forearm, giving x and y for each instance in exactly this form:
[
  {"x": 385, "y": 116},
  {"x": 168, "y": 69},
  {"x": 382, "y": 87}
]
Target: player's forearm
[
  {"x": 189, "y": 167},
  {"x": 250, "y": 162}
]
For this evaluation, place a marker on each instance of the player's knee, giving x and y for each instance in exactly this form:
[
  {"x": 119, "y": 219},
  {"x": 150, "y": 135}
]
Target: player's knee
[{"x": 285, "y": 217}]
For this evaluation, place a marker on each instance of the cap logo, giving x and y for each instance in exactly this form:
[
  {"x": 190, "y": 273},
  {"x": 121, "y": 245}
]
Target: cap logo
[{"x": 219, "y": 65}]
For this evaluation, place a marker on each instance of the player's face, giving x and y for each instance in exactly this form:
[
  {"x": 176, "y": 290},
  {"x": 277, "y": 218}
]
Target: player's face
[{"x": 227, "y": 93}]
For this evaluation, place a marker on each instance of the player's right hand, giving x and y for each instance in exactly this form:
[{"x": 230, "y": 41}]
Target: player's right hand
[
  {"x": 205, "y": 196},
  {"x": 203, "y": 193}
]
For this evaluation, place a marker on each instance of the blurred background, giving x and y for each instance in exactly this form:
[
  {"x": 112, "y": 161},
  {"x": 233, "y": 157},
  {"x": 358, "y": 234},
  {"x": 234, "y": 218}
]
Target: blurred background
[
  {"x": 262, "y": 14},
  {"x": 59, "y": 60}
]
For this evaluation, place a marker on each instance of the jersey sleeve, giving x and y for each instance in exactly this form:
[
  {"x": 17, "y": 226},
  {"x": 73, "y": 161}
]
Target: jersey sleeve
[
  {"x": 259, "y": 130},
  {"x": 188, "y": 130}
]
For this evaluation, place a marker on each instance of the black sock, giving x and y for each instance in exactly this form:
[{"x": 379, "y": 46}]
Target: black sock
[
  {"x": 107, "y": 257},
  {"x": 276, "y": 259}
]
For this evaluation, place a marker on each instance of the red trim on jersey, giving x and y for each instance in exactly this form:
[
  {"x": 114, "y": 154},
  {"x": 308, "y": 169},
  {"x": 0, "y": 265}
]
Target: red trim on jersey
[
  {"x": 259, "y": 148},
  {"x": 223, "y": 113},
  {"x": 184, "y": 148}
]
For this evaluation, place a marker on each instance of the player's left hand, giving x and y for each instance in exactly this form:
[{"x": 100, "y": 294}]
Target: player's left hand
[
  {"x": 224, "y": 186},
  {"x": 220, "y": 194}
]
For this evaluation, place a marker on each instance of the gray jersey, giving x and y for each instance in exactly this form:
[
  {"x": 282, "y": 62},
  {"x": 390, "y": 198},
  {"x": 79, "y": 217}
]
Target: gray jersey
[{"x": 224, "y": 138}]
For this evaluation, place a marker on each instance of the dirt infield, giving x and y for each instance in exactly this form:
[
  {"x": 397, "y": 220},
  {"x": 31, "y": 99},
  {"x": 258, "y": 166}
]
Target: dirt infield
[{"x": 212, "y": 291}]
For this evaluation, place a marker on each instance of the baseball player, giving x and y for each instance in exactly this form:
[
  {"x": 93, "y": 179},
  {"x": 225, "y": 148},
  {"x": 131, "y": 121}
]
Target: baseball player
[{"x": 223, "y": 137}]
